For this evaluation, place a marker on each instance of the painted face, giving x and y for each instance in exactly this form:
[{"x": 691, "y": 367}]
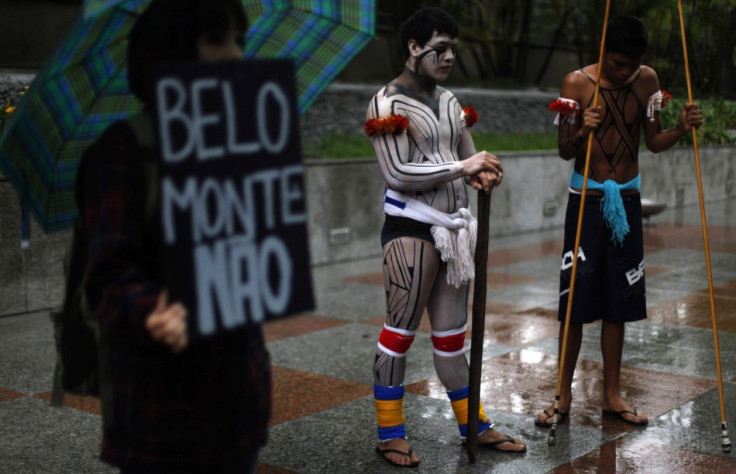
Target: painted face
[
  {"x": 618, "y": 67},
  {"x": 435, "y": 59},
  {"x": 221, "y": 46}
]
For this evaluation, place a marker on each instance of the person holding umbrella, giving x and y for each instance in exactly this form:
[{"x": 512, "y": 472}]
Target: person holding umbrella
[
  {"x": 173, "y": 405},
  {"x": 609, "y": 282},
  {"x": 420, "y": 136}
]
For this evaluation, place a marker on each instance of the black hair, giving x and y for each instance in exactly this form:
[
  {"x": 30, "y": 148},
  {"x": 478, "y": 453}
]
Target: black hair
[
  {"x": 423, "y": 23},
  {"x": 627, "y": 35},
  {"x": 168, "y": 30}
]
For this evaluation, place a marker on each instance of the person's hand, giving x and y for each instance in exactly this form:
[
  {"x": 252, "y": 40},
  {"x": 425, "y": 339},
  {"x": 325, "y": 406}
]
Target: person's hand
[
  {"x": 591, "y": 119},
  {"x": 691, "y": 116},
  {"x": 486, "y": 180},
  {"x": 168, "y": 323},
  {"x": 480, "y": 162}
]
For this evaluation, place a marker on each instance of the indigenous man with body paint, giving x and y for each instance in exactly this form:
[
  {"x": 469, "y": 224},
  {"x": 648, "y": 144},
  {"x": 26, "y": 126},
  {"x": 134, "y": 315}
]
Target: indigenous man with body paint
[
  {"x": 420, "y": 136},
  {"x": 610, "y": 273}
]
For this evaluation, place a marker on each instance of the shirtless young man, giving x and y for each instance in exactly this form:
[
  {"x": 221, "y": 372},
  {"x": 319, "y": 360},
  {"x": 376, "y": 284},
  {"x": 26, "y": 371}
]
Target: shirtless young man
[
  {"x": 610, "y": 272},
  {"x": 420, "y": 136}
]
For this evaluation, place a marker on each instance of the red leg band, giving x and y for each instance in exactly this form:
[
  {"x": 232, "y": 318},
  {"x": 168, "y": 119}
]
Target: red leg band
[
  {"x": 395, "y": 342},
  {"x": 449, "y": 343}
]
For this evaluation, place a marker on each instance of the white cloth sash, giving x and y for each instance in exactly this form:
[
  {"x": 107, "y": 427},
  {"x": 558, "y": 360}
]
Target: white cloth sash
[
  {"x": 654, "y": 104},
  {"x": 454, "y": 234}
]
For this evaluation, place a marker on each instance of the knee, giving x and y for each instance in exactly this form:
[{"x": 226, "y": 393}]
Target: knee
[
  {"x": 449, "y": 343},
  {"x": 394, "y": 341}
]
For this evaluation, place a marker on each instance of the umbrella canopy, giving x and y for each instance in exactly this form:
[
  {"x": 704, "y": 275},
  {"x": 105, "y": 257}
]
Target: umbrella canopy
[
  {"x": 82, "y": 88},
  {"x": 320, "y": 36}
]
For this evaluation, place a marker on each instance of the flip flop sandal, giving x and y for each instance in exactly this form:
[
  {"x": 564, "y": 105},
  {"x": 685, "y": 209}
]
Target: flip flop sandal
[
  {"x": 563, "y": 417},
  {"x": 620, "y": 415},
  {"x": 496, "y": 444},
  {"x": 382, "y": 453}
]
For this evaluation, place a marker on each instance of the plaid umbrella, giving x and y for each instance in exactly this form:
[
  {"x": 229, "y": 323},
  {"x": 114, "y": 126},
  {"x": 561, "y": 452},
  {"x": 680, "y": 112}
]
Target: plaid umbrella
[
  {"x": 321, "y": 36},
  {"x": 82, "y": 89}
]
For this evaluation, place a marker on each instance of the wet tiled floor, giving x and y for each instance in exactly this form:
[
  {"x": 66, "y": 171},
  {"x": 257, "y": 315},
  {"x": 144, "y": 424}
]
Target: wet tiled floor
[{"x": 323, "y": 417}]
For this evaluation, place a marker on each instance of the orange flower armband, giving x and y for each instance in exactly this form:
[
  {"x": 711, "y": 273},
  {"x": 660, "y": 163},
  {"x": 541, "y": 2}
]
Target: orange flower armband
[
  {"x": 471, "y": 116},
  {"x": 389, "y": 124}
]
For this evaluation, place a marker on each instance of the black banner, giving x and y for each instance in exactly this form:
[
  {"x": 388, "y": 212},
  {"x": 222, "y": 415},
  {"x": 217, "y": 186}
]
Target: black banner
[{"x": 233, "y": 210}]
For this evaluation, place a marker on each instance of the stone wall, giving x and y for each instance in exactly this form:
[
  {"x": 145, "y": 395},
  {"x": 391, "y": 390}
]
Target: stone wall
[
  {"x": 345, "y": 208},
  {"x": 11, "y": 86},
  {"x": 342, "y": 107},
  {"x": 345, "y": 215},
  {"x": 29, "y": 279}
]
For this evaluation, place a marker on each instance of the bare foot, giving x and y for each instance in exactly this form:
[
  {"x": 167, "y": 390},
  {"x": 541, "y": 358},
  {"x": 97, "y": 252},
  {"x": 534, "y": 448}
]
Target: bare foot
[
  {"x": 401, "y": 455},
  {"x": 494, "y": 439},
  {"x": 620, "y": 408}
]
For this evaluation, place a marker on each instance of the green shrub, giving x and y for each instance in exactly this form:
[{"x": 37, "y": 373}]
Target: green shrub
[
  {"x": 719, "y": 117},
  {"x": 719, "y": 127},
  {"x": 339, "y": 145}
]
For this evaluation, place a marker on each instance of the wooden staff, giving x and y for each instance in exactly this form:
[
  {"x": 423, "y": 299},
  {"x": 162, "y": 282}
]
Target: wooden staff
[
  {"x": 552, "y": 439},
  {"x": 479, "y": 321},
  {"x": 725, "y": 442}
]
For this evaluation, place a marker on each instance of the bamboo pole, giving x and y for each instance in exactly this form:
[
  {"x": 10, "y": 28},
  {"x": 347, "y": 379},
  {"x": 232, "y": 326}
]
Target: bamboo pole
[
  {"x": 479, "y": 321},
  {"x": 552, "y": 439},
  {"x": 725, "y": 442}
]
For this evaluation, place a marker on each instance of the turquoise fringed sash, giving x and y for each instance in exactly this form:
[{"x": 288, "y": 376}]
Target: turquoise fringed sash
[{"x": 613, "y": 205}]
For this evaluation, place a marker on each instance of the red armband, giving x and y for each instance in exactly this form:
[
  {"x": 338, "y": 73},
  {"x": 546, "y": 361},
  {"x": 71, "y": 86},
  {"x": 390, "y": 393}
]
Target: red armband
[{"x": 564, "y": 107}]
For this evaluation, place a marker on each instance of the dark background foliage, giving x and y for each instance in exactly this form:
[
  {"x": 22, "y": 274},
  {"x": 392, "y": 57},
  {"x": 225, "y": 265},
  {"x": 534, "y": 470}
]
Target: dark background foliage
[{"x": 497, "y": 36}]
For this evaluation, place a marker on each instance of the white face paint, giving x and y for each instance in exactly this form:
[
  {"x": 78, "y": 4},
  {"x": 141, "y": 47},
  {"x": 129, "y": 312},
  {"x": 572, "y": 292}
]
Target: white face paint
[{"x": 434, "y": 61}]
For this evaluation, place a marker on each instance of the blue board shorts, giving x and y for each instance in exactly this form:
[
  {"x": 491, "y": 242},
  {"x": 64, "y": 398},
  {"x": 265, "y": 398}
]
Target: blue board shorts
[{"x": 609, "y": 281}]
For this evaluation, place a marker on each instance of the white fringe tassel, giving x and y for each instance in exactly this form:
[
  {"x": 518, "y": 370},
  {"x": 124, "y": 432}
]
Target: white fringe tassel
[{"x": 457, "y": 249}]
